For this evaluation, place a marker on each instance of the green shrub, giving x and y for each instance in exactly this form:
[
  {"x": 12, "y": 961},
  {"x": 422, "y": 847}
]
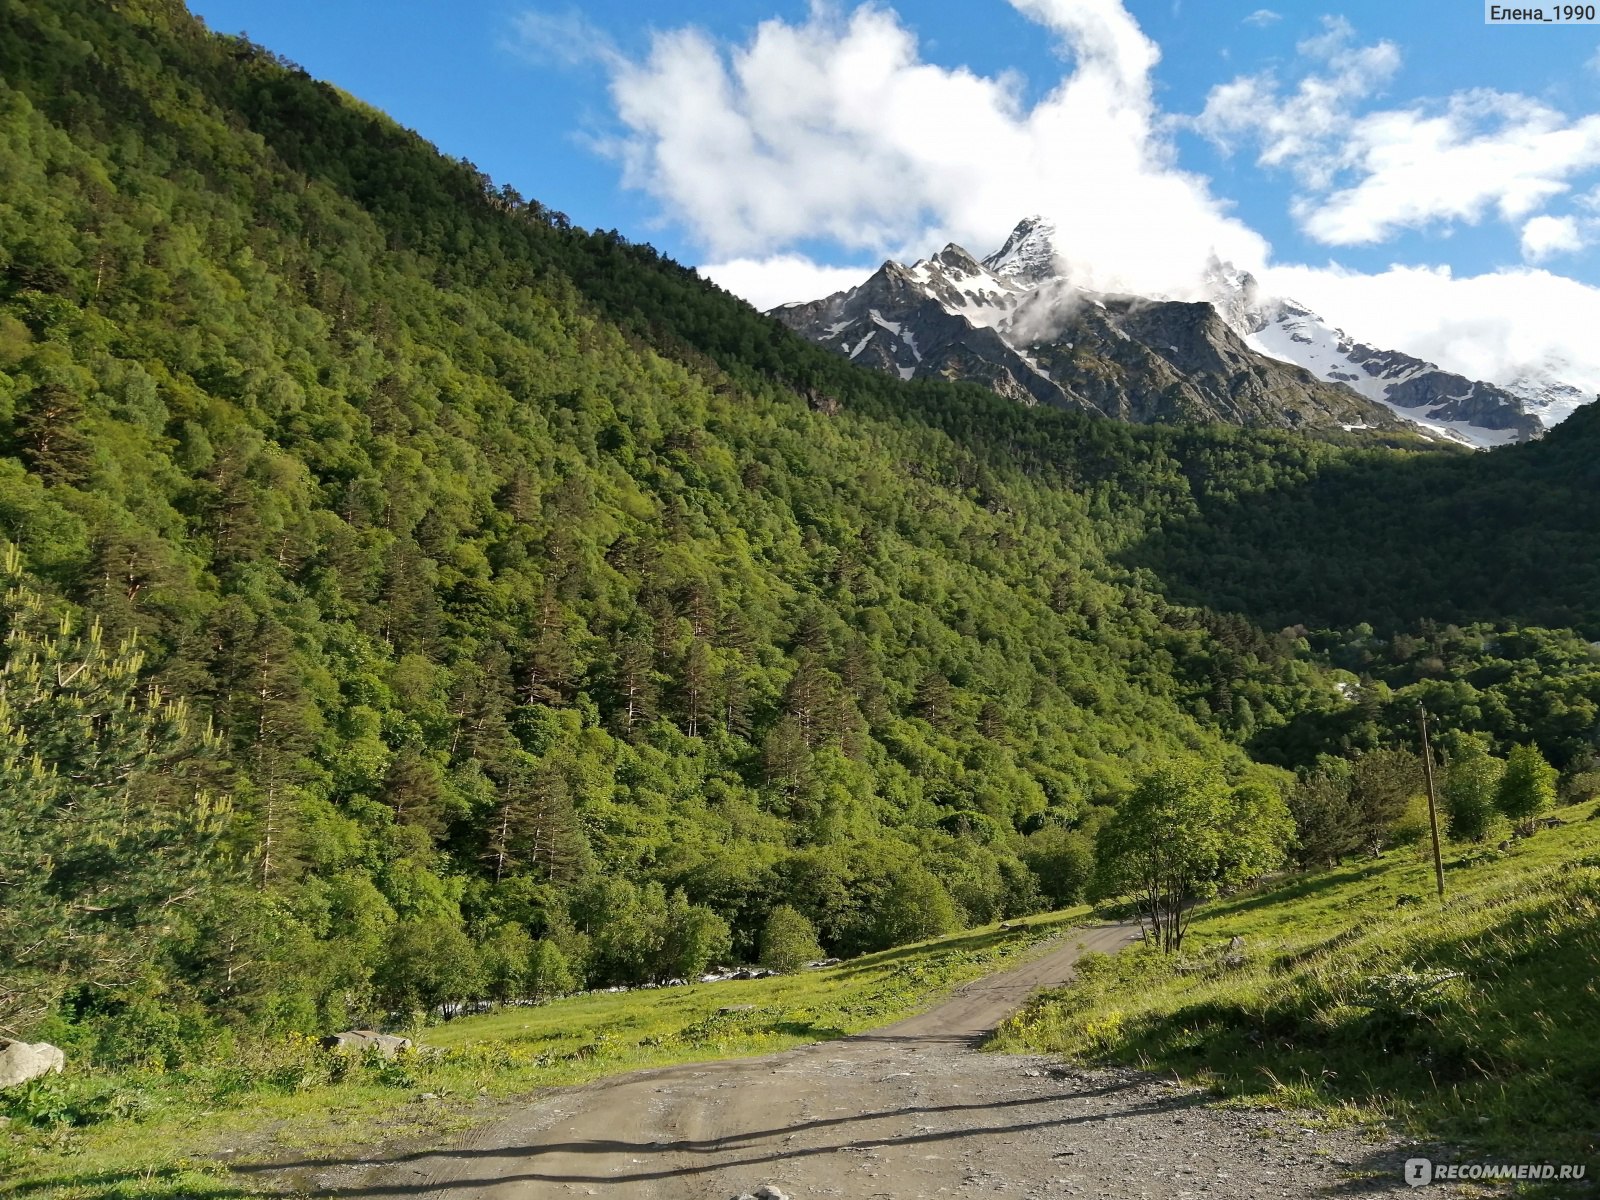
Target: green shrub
[
  {"x": 915, "y": 907},
  {"x": 788, "y": 940}
]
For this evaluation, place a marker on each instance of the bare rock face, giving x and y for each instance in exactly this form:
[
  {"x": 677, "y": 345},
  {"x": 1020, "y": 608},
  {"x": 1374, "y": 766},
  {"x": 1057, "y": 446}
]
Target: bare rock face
[
  {"x": 22, "y": 1061},
  {"x": 357, "y": 1040}
]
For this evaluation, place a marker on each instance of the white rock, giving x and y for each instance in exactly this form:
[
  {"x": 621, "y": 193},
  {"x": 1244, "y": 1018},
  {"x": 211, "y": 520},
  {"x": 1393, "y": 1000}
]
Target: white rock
[
  {"x": 22, "y": 1061},
  {"x": 360, "y": 1039}
]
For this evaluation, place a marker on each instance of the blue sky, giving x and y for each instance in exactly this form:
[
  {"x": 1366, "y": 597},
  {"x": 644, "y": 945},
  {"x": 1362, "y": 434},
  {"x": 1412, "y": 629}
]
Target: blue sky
[{"x": 1375, "y": 158}]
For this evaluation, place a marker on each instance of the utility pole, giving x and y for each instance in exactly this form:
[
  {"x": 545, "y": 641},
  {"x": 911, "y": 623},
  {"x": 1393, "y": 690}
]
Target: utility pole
[{"x": 1433, "y": 804}]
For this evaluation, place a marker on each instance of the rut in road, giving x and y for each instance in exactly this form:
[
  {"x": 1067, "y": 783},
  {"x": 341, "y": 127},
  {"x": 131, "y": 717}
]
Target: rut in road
[{"x": 912, "y": 1110}]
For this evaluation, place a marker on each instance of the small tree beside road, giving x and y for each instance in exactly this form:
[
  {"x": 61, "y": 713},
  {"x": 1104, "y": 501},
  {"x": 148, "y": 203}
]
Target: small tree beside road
[
  {"x": 788, "y": 941},
  {"x": 1181, "y": 835}
]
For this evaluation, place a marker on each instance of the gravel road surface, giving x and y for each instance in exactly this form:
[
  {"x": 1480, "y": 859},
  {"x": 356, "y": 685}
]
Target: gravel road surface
[{"x": 912, "y": 1110}]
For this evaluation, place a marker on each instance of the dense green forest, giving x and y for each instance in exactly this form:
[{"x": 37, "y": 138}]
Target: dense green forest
[{"x": 411, "y": 596}]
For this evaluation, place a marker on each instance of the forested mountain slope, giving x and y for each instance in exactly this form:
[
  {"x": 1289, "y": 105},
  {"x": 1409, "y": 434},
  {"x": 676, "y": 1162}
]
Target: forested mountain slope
[{"x": 468, "y": 578}]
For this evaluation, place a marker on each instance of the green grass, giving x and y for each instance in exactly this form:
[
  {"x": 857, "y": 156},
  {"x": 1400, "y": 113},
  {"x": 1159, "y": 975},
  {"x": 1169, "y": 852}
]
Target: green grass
[
  {"x": 197, "y": 1133},
  {"x": 1355, "y": 993}
]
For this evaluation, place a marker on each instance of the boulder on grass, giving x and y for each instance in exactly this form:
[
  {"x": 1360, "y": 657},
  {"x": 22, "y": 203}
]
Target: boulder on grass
[
  {"x": 22, "y": 1061},
  {"x": 365, "y": 1039}
]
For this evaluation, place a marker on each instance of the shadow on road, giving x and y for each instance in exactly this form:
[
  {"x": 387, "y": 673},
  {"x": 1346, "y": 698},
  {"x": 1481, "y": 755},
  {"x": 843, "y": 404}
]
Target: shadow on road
[{"x": 854, "y": 1130}]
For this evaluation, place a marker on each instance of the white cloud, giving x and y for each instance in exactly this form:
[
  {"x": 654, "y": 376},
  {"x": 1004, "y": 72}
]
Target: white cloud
[
  {"x": 1298, "y": 130},
  {"x": 1486, "y": 152},
  {"x": 1366, "y": 176},
  {"x": 1494, "y": 326},
  {"x": 836, "y": 129},
  {"x": 1102, "y": 36},
  {"x": 781, "y": 278},
  {"x": 835, "y": 132},
  {"x": 1545, "y": 236},
  {"x": 566, "y": 39},
  {"x": 1262, "y": 17}
]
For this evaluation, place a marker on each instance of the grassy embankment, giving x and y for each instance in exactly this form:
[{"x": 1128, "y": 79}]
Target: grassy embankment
[
  {"x": 1355, "y": 994},
  {"x": 195, "y": 1132}
]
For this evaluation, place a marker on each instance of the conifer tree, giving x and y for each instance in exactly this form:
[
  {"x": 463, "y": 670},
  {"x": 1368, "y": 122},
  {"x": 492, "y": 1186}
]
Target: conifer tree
[
  {"x": 49, "y": 436},
  {"x": 695, "y": 688},
  {"x": 104, "y": 829},
  {"x": 535, "y": 827},
  {"x": 633, "y": 685},
  {"x": 935, "y": 701},
  {"x": 1326, "y": 827},
  {"x": 549, "y": 671},
  {"x": 734, "y": 700}
]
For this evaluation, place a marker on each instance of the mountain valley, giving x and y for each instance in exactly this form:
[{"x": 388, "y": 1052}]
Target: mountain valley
[{"x": 416, "y": 603}]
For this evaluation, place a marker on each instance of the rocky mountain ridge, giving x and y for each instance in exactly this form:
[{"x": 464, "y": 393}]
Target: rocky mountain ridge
[
  {"x": 1440, "y": 402},
  {"x": 1015, "y": 323}
]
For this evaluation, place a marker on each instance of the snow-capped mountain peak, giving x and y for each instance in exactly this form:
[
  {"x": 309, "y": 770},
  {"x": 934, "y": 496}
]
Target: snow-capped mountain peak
[
  {"x": 1017, "y": 323},
  {"x": 1029, "y": 255},
  {"x": 1236, "y": 296},
  {"x": 1014, "y": 323},
  {"x": 1443, "y": 403},
  {"x": 1547, "y": 396},
  {"x": 966, "y": 286}
]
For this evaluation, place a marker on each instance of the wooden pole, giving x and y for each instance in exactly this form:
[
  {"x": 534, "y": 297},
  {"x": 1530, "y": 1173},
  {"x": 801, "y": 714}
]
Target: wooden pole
[{"x": 1433, "y": 804}]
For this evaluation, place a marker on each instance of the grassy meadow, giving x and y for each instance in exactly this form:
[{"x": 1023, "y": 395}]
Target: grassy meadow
[{"x": 1355, "y": 993}]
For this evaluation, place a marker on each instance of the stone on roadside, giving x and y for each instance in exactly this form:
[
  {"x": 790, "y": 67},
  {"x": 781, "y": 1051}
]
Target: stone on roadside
[
  {"x": 22, "y": 1061},
  {"x": 363, "y": 1039}
]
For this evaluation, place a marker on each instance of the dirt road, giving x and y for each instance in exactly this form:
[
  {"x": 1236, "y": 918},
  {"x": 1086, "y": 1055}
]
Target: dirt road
[{"x": 909, "y": 1111}]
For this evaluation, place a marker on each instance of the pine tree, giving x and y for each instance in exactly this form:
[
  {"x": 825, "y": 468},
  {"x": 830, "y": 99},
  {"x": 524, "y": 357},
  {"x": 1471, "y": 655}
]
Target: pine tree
[
  {"x": 412, "y": 788},
  {"x": 734, "y": 700},
  {"x": 1324, "y": 815},
  {"x": 992, "y": 721},
  {"x": 535, "y": 827},
  {"x": 105, "y": 829},
  {"x": 785, "y": 757},
  {"x": 1382, "y": 784},
  {"x": 548, "y": 676},
  {"x": 137, "y": 584},
  {"x": 698, "y": 605},
  {"x": 410, "y": 604},
  {"x": 49, "y": 437},
  {"x": 810, "y": 699},
  {"x": 695, "y": 688},
  {"x": 811, "y": 632},
  {"x": 633, "y": 686},
  {"x": 935, "y": 701},
  {"x": 271, "y": 722},
  {"x": 479, "y": 701}
]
